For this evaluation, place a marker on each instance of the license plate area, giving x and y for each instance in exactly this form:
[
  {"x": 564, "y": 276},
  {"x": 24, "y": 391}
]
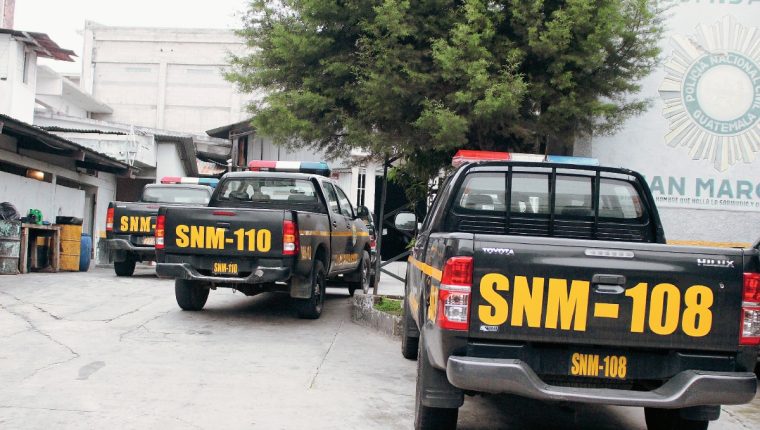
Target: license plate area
[
  {"x": 594, "y": 365},
  {"x": 225, "y": 268},
  {"x": 146, "y": 240}
]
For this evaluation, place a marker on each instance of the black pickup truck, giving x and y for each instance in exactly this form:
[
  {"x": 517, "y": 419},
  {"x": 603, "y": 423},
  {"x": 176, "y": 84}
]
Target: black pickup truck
[
  {"x": 553, "y": 281},
  {"x": 265, "y": 231},
  {"x": 130, "y": 226}
]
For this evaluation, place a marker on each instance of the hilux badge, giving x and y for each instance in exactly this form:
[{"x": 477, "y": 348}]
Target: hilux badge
[{"x": 711, "y": 262}]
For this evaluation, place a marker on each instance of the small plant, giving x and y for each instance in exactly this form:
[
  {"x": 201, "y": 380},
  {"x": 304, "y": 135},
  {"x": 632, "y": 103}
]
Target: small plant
[{"x": 389, "y": 306}]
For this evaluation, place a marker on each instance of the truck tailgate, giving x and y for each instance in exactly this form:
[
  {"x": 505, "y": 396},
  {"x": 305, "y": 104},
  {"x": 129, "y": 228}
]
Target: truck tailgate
[
  {"x": 137, "y": 220},
  {"x": 223, "y": 232},
  {"x": 605, "y": 293}
]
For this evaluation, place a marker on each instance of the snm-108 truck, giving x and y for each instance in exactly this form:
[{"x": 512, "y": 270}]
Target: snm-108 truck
[
  {"x": 130, "y": 226},
  {"x": 283, "y": 226},
  {"x": 552, "y": 280}
]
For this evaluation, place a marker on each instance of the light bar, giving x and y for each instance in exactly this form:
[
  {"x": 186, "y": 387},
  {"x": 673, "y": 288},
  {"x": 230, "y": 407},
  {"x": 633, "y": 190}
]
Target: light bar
[
  {"x": 468, "y": 156},
  {"x": 211, "y": 182},
  {"x": 464, "y": 156},
  {"x": 314, "y": 167},
  {"x": 564, "y": 159}
]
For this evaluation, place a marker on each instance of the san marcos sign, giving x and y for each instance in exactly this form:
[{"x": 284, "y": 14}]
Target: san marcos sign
[{"x": 711, "y": 93}]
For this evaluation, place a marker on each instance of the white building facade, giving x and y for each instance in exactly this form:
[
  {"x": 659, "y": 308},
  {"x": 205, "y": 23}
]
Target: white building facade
[{"x": 698, "y": 144}]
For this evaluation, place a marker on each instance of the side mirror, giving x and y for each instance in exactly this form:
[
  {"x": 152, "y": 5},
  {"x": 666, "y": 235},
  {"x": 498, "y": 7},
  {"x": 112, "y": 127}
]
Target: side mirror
[
  {"x": 362, "y": 212},
  {"x": 405, "y": 221}
]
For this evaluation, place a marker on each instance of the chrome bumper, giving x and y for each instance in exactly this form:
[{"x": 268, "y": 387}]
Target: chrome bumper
[{"x": 685, "y": 389}]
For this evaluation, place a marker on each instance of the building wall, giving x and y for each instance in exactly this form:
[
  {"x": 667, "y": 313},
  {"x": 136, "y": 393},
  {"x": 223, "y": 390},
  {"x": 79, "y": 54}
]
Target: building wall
[
  {"x": 17, "y": 99},
  {"x": 169, "y": 163},
  {"x": 162, "y": 78},
  {"x": 51, "y": 199},
  {"x": 699, "y": 142}
]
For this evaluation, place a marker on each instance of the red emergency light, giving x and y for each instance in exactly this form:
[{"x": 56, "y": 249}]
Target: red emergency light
[{"x": 468, "y": 156}]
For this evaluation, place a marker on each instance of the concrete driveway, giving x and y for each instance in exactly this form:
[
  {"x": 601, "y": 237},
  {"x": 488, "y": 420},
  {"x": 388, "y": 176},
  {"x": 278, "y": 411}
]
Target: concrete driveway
[{"x": 89, "y": 350}]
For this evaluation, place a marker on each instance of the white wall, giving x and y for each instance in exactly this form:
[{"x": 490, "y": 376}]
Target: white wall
[
  {"x": 169, "y": 163},
  {"x": 52, "y": 200},
  {"x": 162, "y": 78},
  {"x": 28, "y": 193},
  {"x": 670, "y": 147},
  {"x": 17, "y": 100}
]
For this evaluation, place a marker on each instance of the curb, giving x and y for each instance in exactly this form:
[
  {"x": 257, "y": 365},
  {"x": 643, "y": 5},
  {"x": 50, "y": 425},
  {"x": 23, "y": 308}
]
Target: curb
[{"x": 364, "y": 313}]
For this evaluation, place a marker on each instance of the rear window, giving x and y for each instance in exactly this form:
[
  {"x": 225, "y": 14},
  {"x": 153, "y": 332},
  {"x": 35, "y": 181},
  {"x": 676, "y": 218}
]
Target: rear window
[
  {"x": 531, "y": 195},
  {"x": 176, "y": 194},
  {"x": 268, "y": 190},
  {"x": 483, "y": 192},
  {"x": 619, "y": 199}
]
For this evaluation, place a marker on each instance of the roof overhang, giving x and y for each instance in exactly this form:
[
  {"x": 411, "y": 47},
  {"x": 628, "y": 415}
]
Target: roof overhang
[
  {"x": 36, "y": 139},
  {"x": 226, "y": 131},
  {"x": 42, "y": 44},
  {"x": 185, "y": 149}
]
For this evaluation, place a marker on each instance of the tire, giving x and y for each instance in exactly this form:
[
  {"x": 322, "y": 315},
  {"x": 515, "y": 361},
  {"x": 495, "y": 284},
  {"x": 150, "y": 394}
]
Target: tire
[
  {"x": 311, "y": 308},
  {"x": 670, "y": 419},
  {"x": 426, "y": 417},
  {"x": 125, "y": 268},
  {"x": 364, "y": 276},
  {"x": 191, "y": 296},
  {"x": 409, "y": 344}
]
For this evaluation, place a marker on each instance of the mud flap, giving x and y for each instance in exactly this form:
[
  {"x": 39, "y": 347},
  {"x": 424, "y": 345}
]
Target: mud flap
[
  {"x": 437, "y": 391},
  {"x": 300, "y": 287}
]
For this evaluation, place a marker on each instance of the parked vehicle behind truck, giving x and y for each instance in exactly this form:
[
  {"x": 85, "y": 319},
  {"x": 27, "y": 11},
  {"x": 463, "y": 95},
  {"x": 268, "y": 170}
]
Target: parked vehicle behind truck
[
  {"x": 130, "y": 226},
  {"x": 553, "y": 281},
  {"x": 284, "y": 226}
]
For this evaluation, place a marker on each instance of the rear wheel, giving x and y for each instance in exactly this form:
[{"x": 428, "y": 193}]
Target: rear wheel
[
  {"x": 363, "y": 274},
  {"x": 125, "y": 268},
  {"x": 311, "y": 308},
  {"x": 670, "y": 419},
  {"x": 191, "y": 295},
  {"x": 426, "y": 417},
  {"x": 409, "y": 342}
]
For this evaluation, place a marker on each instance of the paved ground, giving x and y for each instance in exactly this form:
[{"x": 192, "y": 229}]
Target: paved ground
[{"x": 95, "y": 351}]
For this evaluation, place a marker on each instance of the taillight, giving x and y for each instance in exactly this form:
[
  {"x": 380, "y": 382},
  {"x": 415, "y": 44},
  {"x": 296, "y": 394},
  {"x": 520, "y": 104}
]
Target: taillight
[
  {"x": 454, "y": 294},
  {"x": 109, "y": 219},
  {"x": 373, "y": 242},
  {"x": 750, "y": 334},
  {"x": 160, "y": 231},
  {"x": 290, "y": 242}
]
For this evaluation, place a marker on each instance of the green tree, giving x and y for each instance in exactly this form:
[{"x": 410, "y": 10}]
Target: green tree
[{"x": 419, "y": 79}]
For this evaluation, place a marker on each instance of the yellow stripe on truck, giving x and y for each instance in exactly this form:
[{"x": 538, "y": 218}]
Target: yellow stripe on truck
[
  {"x": 426, "y": 269},
  {"x": 709, "y": 244}
]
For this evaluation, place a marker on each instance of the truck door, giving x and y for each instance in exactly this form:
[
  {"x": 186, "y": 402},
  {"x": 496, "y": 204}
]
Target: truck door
[
  {"x": 340, "y": 234},
  {"x": 353, "y": 247}
]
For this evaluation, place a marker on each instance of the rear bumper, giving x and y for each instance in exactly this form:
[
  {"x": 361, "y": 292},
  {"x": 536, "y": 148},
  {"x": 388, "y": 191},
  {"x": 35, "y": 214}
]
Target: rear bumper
[
  {"x": 127, "y": 246},
  {"x": 259, "y": 275},
  {"x": 685, "y": 389}
]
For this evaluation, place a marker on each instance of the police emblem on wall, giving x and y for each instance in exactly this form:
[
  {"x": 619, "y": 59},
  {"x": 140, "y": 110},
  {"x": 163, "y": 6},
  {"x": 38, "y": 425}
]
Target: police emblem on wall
[{"x": 711, "y": 93}]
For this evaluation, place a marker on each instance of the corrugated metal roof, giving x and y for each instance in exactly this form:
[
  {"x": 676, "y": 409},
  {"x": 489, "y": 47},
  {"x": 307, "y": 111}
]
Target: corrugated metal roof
[{"x": 44, "y": 45}]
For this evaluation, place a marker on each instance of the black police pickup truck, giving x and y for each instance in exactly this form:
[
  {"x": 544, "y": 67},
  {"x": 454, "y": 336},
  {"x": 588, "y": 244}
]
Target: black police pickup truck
[
  {"x": 266, "y": 231},
  {"x": 553, "y": 281},
  {"x": 130, "y": 226}
]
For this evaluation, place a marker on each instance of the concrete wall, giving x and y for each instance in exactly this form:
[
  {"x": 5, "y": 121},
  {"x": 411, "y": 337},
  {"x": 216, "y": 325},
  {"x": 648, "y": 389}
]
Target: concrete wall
[
  {"x": 53, "y": 200},
  {"x": 169, "y": 163},
  {"x": 17, "y": 98},
  {"x": 163, "y": 78},
  {"x": 703, "y": 174}
]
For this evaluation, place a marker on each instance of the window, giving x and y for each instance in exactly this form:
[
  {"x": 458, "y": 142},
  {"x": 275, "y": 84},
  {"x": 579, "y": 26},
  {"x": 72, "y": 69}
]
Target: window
[
  {"x": 174, "y": 194},
  {"x": 573, "y": 196},
  {"x": 361, "y": 187},
  {"x": 530, "y": 193},
  {"x": 619, "y": 199},
  {"x": 268, "y": 189},
  {"x": 345, "y": 205},
  {"x": 332, "y": 198},
  {"x": 483, "y": 192}
]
